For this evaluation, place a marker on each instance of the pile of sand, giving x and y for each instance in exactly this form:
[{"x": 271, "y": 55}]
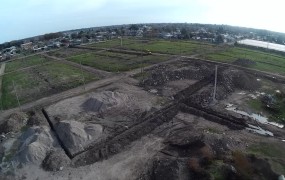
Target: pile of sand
[
  {"x": 35, "y": 143},
  {"x": 76, "y": 135},
  {"x": 107, "y": 103},
  {"x": 56, "y": 160},
  {"x": 14, "y": 123}
]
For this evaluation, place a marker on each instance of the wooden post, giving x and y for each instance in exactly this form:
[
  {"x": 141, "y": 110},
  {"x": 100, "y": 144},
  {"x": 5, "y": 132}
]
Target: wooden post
[
  {"x": 82, "y": 75},
  {"x": 215, "y": 86},
  {"x": 16, "y": 94}
]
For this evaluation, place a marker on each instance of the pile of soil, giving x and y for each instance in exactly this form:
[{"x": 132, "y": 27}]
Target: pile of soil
[
  {"x": 228, "y": 81},
  {"x": 76, "y": 136},
  {"x": 36, "y": 119},
  {"x": 161, "y": 74},
  {"x": 55, "y": 160},
  {"x": 93, "y": 105},
  {"x": 233, "y": 79},
  {"x": 187, "y": 157},
  {"x": 14, "y": 123},
  {"x": 35, "y": 143},
  {"x": 244, "y": 62}
]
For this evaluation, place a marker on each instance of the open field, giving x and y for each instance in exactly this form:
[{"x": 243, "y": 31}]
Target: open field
[
  {"x": 116, "y": 62},
  {"x": 24, "y": 62},
  {"x": 263, "y": 61},
  {"x": 160, "y": 46},
  {"x": 67, "y": 52},
  {"x": 35, "y": 83},
  {"x": 162, "y": 121},
  {"x": 269, "y": 62}
]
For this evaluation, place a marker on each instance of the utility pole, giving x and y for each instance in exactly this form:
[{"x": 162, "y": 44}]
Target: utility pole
[
  {"x": 215, "y": 86},
  {"x": 142, "y": 58},
  {"x": 82, "y": 75},
  {"x": 16, "y": 94}
]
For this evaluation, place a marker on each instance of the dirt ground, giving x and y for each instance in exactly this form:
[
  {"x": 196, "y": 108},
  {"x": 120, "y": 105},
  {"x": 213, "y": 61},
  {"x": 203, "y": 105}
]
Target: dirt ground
[
  {"x": 137, "y": 129},
  {"x": 133, "y": 163}
]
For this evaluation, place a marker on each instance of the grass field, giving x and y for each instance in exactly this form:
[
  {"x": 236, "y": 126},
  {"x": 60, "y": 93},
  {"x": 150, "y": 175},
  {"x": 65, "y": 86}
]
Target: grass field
[
  {"x": 160, "y": 46},
  {"x": 25, "y": 62},
  {"x": 264, "y": 61},
  {"x": 41, "y": 81},
  {"x": 67, "y": 52},
  {"x": 273, "y": 152},
  {"x": 116, "y": 62}
]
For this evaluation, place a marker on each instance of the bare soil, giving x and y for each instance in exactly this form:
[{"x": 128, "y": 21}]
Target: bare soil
[{"x": 133, "y": 129}]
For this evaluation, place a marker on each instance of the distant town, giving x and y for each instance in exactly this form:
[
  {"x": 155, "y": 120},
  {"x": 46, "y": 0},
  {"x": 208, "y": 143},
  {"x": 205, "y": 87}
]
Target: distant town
[{"x": 218, "y": 34}]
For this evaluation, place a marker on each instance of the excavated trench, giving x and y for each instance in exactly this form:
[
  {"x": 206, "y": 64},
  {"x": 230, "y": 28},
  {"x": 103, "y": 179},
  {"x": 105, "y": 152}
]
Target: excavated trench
[
  {"x": 67, "y": 152},
  {"x": 101, "y": 150}
]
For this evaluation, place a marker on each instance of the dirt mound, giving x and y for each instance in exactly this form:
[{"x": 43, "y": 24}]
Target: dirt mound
[
  {"x": 228, "y": 81},
  {"x": 56, "y": 160},
  {"x": 36, "y": 119},
  {"x": 233, "y": 79},
  {"x": 125, "y": 99},
  {"x": 162, "y": 74},
  {"x": 75, "y": 135},
  {"x": 93, "y": 104},
  {"x": 244, "y": 62},
  {"x": 35, "y": 143},
  {"x": 14, "y": 123}
]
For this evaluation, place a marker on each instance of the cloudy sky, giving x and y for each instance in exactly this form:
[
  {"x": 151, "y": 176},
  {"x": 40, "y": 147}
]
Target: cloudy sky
[{"x": 26, "y": 18}]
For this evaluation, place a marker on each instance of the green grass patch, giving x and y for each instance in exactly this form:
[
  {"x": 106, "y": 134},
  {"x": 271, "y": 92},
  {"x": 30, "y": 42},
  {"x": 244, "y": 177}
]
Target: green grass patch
[
  {"x": 272, "y": 151},
  {"x": 215, "y": 170},
  {"x": 24, "y": 62},
  {"x": 41, "y": 81},
  {"x": 68, "y": 52},
  {"x": 255, "y": 104},
  {"x": 264, "y": 61},
  {"x": 116, "y": 62},
  {"x": 276, "y": 116},
  {"x": 213, "y": 130},
  {"x": 161, "y": 46}
]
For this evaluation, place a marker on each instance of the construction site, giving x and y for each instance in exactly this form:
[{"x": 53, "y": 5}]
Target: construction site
[{"x": 127, "y": 111}]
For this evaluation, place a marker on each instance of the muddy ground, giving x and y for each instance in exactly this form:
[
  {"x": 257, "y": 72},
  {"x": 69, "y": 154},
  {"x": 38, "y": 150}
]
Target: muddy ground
[{"x": 161, "y": 124}]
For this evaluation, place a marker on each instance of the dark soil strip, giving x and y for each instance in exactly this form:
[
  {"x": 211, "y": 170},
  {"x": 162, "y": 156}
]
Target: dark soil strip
[
  {"x": 218, "y": 117},
  {"x": 56, "y": 135},
  {"x": 135, "y": 52},
  {"x": 102, "y": 150}
]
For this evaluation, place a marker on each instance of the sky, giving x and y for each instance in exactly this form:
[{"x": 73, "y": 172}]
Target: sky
[{"x": 26, "y": 18}]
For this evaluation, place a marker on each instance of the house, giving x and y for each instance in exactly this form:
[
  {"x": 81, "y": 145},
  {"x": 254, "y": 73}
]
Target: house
[
  {"x": 27, "y": 46},
  {"x": 166, "y": 35}
]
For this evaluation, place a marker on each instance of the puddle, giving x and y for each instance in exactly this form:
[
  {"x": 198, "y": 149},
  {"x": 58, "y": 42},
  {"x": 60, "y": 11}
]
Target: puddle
[
  {"x": 259, "y": 130},
  {"x": 257, "y": 117},
  {"x": 154, "y": 91},
  {"x": 242, "y": 93}
]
